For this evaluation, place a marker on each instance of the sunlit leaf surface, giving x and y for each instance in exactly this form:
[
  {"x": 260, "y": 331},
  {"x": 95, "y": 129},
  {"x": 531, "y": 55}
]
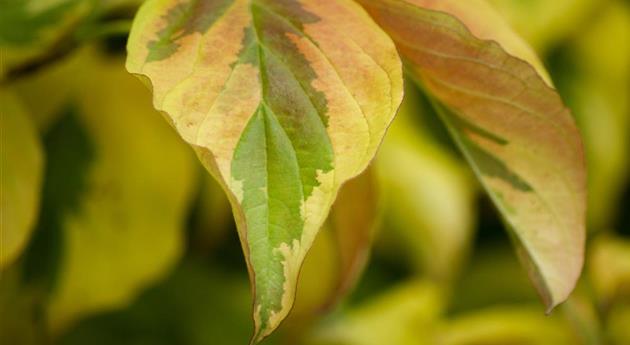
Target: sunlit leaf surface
[
  {"x": 509, "y": 122},
  {"x": 20, "y": 179},
  {"x": 283, "y": 101}
]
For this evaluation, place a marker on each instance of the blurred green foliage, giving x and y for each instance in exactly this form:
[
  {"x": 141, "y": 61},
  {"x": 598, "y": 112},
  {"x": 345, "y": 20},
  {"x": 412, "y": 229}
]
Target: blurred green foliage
[{"x": 135, "y": 244}]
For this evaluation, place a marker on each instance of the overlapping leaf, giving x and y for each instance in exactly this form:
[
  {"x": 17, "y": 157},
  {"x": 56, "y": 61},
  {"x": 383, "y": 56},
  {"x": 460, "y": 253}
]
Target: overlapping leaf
[
  {"x": 21, "y": 178},
  {"x": 283, "y": 102},
  {"x": 353, "y": 219},
  {"x": 509, "y": 122},
  {"x": 341, "y": 250}
]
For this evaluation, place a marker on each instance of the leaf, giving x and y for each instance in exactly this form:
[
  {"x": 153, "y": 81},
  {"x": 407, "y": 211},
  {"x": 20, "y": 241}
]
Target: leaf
[
  {"x": 283, "y": 101},
  {"x": 18, "y": 304},
  {"x": 22, "y": 164},
  {"x": 609, "y": 269},
  {"x": 492, "y": 277},
  {"x": 198, "y": 304},
  {"x": 546, "y": 23},
  {"x": 509, "y": 122},
  {"x": 342, "y": 248},
  {"x": 120, "y": 4},
  {"x": 506, "y": 325},
  {"x": 618, "y": 320},
  {"x": 120, "y": 183},
  {"x": 406, "y": 314},
  {"x": 47, "y": 93},
  {"x": 429, "y": 195},
  {"x": 32, "y": 28},
  {"x": 353, "y": 219},
  {"x": 581, "y": 314},
  {"x": 213, "y": 219},
  {"x": 598, "y": 83}
]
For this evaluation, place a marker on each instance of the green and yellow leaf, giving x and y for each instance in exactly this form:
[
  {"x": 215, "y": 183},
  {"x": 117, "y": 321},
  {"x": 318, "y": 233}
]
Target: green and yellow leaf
[
  {"x": 283, "y": 102},
  {"x": 49, "y": 92},
  {"x": 200, "y": 303},
  {"x": 498, "y": 103},
  {"x": 30, "y": 29},
  {"x": 22, "y": 164},
  {"x": 124, "y": 228}
]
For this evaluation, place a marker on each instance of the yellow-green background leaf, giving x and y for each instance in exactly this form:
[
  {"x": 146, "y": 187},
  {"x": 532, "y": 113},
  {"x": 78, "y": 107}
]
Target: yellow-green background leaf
[
  {"x": 125, "y": 230},
  {"x": 406, "y": 314},
  {"x": 342, "y": 248},
  {"x": 429, "y": 195},
  {"x": 32, "y": 28},
  {"x": 543, "y": 23},
  {"x": 596, "y": 83},
  {"x": 21, "y": 170}
]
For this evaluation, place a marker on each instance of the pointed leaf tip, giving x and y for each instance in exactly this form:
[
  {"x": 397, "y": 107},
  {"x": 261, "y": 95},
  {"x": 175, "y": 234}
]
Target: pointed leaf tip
[
  {"x": 281, "y": 109},
  {"x": 495, "y": 97}
]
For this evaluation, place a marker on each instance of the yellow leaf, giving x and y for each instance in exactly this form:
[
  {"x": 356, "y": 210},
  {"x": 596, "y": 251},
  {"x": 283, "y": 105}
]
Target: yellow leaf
[
  {"x": 430, "y": 196},
  {"x": 405, "y": 315},
  {"x": 609, "y": 269},
  {"x": 544, "y": 23},
  {"x": 341, "y": 250},
  {"x": 126, "y": 229},
  {"x": 599, "y": 84},
  {"x": 506, "y": 325},
  {"x": 20, "y": 179}
]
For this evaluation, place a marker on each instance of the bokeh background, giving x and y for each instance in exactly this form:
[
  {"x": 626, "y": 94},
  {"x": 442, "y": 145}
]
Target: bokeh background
[{"x": 133, "y": 243}]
